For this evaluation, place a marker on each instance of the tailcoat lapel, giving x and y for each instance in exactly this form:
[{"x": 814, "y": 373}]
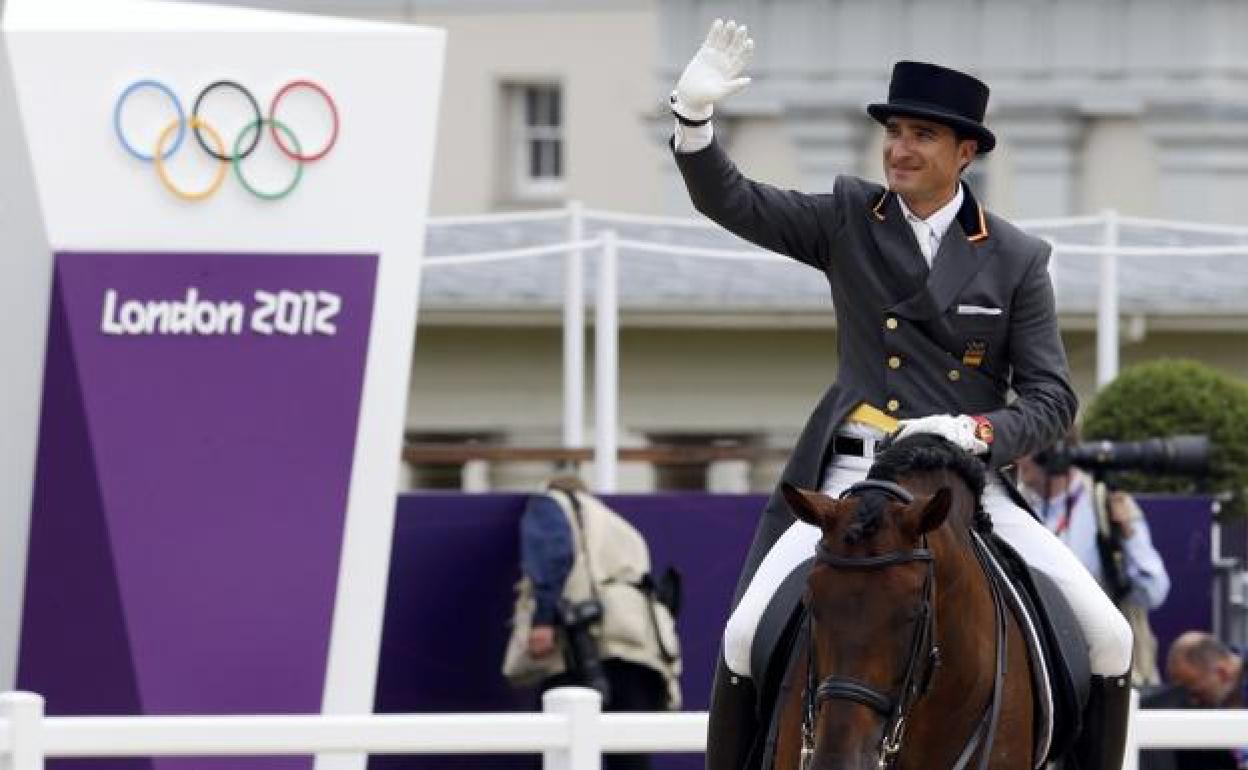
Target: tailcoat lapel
[
  {"x": 894, "y": 238},
  {"x": 964, "y": 250}
]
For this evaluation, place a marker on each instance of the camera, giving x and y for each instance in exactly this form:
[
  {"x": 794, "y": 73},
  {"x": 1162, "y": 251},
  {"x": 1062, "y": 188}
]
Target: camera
[
  {"x": 1173, "y": 455},
  {"x": 581, "y": 651}
]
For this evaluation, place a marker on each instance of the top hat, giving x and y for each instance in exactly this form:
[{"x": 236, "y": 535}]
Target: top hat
[{"x": 939, "y": 94}]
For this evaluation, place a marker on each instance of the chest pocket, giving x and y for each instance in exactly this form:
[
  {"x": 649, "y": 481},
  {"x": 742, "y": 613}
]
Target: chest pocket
[{"x": 979, "y": 331}]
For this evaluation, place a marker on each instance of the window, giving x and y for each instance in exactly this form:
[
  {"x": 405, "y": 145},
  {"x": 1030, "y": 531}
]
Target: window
[{"x": 537, "y": 140}]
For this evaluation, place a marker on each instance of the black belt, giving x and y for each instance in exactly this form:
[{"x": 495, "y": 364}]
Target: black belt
[{"x": 850, "y": 445}]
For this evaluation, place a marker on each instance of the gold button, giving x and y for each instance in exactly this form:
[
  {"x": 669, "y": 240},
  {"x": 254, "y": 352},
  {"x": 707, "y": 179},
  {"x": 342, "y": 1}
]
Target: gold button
[
  {"x": 955, "y": 375},
  {"x": 894, "y": 362},
  {"x": 891, "y": 323},
  {"x": 893, "y": 405}
]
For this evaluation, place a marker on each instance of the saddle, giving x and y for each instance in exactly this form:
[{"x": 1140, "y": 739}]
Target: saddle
[{"x": 1056, "y": 651}]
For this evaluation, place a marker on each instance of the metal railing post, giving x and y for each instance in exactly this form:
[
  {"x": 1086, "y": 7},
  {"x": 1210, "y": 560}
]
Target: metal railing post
[
  {"x": 574, "y": 331},
  {"x": 1053, "y": 268},
  {"x": 1107, "y": 306},
  {"x": 583, "y": 707},
  {"x": 606, "y": 368},
  {"x": 23, "y": 712},
  {"x": 1131, "y": 754}
]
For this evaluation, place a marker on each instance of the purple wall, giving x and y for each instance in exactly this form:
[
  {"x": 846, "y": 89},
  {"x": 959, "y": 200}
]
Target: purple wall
[
  {"x": 190, "y": 493},
  {"x": 455, "y": 561},
  {"x": 1180, "y": 528}
]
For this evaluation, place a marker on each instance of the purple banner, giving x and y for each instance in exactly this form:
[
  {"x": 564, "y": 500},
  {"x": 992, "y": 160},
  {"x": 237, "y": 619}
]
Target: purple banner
[
  {"x": 456, "y": 558},
  {"x": 196, "y": 439},
  {"x": 1181, "y": 529}
]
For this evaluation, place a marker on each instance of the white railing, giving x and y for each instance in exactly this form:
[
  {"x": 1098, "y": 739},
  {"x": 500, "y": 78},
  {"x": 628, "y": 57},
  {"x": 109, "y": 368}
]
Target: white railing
[
  {"x": 571, "y": 733},
  {"x": 575, "y": 217}
]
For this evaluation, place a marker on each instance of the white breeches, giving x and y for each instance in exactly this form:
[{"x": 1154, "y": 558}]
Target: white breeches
[{"x": 1107, "y": 632}]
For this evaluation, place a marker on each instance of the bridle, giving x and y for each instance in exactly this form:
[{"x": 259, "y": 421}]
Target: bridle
[{"x": 923, "y": 660}]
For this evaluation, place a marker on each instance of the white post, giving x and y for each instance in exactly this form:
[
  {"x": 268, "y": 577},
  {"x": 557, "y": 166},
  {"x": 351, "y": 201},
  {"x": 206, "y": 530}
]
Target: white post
[
  {"x": 583, "y": 707},
  {"x": 1052, "y": 266},
  {"x": 1131, "y": 754},
  {"x": 1107, "y": 306},
  {"x": 606, "y": 369},
  {"x": 23, "y": 712},
  {"x": 574, "y": 332}
]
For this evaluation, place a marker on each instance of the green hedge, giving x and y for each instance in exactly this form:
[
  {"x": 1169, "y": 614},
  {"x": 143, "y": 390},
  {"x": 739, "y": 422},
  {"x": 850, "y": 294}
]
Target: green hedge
[{"x": 1172, "y": 396}]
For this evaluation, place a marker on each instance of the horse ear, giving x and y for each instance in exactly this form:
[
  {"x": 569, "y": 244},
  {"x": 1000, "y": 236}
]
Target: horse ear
[
  {"x": 935, "y": 510},
  {"x": 804, "y": 503}
]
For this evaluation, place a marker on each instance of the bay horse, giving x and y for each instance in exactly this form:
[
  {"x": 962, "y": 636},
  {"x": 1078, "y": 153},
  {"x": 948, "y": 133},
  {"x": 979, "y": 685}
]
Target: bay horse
[{"x": 909, "y": 659}]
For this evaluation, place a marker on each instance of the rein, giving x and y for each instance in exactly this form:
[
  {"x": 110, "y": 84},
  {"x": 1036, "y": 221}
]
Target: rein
[{"x": 924, "y": 653}]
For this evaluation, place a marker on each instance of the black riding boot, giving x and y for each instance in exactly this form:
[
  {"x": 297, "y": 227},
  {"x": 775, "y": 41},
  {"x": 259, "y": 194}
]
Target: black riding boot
[
  {"x": 1102, "y": 740},
  {"x": 733, "y": 721}
]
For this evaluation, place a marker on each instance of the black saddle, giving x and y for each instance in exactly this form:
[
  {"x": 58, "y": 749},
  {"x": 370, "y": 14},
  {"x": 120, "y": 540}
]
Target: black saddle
[{"x": 1056, "y": 650}]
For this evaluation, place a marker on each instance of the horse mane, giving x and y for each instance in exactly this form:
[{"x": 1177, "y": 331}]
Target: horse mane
[{"x": 921, "y": 453}]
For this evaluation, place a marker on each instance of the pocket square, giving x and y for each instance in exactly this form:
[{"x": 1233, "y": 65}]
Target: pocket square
[{"x": 978, "y": 310}]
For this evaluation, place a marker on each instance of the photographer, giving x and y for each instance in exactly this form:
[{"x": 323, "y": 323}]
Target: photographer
[
  {"x": 1108, "y": 533},
  {"x": 588, "y": 612}
]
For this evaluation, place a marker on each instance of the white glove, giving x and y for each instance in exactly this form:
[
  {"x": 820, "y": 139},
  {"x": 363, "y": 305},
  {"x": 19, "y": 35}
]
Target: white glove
[
  {"x": 959, "y": 430},
  {"x": 713, "y": 72}
]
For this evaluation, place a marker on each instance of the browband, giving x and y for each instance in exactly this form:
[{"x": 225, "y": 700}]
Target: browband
[{"x": 887, "y": 487}]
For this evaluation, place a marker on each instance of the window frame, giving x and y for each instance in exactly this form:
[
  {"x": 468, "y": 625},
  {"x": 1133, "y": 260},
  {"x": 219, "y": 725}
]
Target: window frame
[{"x": 522, "y": 135}]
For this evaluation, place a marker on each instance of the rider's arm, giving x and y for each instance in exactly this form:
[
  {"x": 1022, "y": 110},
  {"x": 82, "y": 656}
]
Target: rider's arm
[
  {"x": 783, "y": 221},
  {"x": 787, "y": 222},
  {"x": 1046, "y": 403}
]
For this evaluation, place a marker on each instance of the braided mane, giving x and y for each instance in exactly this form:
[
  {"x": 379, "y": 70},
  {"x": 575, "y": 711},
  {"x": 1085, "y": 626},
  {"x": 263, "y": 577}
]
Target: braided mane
[{"x": 920, "y": 453}]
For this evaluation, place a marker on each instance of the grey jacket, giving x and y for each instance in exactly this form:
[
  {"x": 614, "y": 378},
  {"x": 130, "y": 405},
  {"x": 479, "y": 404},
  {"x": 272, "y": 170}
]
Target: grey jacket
[{"x": 977, "y": 334}]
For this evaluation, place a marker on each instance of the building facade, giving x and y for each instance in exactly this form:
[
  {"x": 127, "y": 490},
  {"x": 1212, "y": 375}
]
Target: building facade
[{"x": 1135, "y": 105}]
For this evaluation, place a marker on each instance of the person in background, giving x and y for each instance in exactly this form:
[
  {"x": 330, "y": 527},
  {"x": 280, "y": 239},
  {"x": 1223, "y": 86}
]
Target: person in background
[
  {"x": 1108, "y": 532},
  {"x": 1203, "y": 672},
  {"x": 588, "y": 611}
]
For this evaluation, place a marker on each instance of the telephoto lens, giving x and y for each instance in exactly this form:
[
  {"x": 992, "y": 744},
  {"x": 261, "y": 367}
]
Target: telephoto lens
[{"x": 1172, "y": 455}]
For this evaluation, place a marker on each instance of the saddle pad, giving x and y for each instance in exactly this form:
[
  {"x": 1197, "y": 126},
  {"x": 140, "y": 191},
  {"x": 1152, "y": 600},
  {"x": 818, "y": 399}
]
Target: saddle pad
[
  {"x": 1056, "y": 647},
  {"x": 775, "y": 621},
  {"x": 771, "y": 658}
]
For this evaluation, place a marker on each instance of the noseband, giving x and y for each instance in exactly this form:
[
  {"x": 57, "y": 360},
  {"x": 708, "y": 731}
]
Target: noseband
[{"x": 923, "y": 646}]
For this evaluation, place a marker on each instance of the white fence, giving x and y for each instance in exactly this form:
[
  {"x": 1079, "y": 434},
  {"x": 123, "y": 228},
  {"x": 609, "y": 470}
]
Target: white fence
[
  {"x": 571, "y": 733},
  {"x": 1090, "y": 250}
]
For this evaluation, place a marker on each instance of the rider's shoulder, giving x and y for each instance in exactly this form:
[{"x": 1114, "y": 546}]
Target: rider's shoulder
[{"x": 856, "y": 189}]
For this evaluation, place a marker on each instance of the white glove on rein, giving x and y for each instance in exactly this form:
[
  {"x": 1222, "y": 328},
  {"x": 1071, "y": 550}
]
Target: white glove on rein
[{"x": 959, "y": 430}]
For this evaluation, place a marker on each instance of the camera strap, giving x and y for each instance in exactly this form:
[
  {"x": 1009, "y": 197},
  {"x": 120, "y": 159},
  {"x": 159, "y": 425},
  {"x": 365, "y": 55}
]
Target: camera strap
[
  {"x": 584, "y": 545},
  {"x": 647, "y": 586}
]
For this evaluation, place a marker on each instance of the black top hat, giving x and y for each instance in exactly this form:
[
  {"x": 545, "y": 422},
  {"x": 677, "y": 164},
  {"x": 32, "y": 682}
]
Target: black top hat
[{"x": 939, "y": 94}]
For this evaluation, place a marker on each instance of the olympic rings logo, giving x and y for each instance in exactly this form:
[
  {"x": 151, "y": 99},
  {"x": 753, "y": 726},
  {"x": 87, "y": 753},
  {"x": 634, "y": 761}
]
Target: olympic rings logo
[{"x": 173, "y": 134}]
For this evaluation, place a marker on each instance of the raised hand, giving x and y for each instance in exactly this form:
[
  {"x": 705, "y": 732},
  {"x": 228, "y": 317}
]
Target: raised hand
[{"x": 714, "y": 72}]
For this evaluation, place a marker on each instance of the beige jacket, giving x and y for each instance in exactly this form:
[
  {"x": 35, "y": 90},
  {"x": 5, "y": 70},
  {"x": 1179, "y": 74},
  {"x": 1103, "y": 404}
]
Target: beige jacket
[{"x": 635, "y": 626}]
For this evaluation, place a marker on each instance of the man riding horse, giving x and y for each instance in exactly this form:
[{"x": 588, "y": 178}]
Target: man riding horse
[{"x": 942, "y": 309}]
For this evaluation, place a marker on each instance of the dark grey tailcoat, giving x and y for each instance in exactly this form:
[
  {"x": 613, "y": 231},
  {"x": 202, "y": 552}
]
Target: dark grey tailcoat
[{"x": 946, "y": 357}]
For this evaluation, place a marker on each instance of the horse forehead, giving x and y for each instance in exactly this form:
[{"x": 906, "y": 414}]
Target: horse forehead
[{"x": 876, "y": 509}]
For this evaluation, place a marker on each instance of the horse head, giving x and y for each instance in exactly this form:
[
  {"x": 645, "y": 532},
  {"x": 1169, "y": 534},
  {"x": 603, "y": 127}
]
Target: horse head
[{"x": 871, "y": 596}]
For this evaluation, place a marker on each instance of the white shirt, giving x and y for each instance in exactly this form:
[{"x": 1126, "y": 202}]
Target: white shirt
[
  {"x": 928, "y": 232},
  {"x": 692, "y": 138}
]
